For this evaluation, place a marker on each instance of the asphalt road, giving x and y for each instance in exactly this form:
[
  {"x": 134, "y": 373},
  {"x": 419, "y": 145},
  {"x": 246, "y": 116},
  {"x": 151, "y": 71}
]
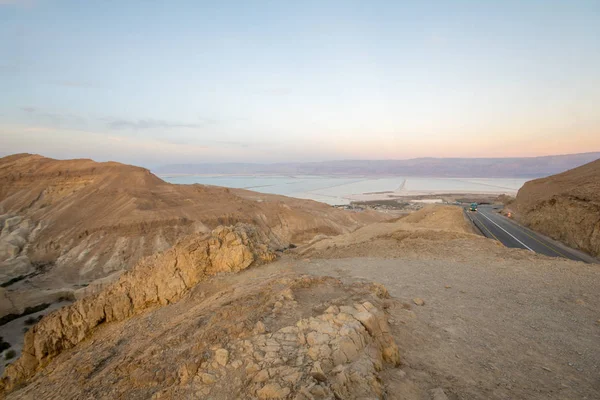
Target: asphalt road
[{"x": 511, "y": 234}]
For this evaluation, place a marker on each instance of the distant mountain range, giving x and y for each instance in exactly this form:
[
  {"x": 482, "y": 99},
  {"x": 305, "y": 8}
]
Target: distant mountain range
[{"x": 516, "y": 167}]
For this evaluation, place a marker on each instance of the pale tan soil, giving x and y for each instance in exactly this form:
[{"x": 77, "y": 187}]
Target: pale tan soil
[
  {"x": 497, "y": 323},
  {"x": 499, "y": 327},
  {"x": 394, "y": 238},
  {"x": 565, "y": 207}
]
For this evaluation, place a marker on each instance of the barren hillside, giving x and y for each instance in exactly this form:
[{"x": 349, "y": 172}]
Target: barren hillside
[
  {"x": 565, "y": 207},
  {"x": 67, "y": 223},
  {"x": 216, "y": 316},
  {"x": 279, "y": 336}
]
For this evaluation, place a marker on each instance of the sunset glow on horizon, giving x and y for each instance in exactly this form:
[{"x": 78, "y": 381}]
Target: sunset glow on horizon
[{"x": 153, "y": 83}]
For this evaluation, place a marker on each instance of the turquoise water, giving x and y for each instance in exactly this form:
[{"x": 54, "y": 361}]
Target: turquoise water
[{"x": 336, "y": 190}]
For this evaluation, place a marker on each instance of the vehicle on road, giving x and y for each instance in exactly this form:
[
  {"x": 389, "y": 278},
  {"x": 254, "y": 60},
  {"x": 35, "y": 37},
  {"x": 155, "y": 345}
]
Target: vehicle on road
[{"x": 473, "y": 207}]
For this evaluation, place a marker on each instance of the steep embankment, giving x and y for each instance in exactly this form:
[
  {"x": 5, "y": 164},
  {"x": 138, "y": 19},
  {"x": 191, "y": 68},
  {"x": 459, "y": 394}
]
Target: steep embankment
[
  {"x": 565, "y": 207},
  {"x": 66, "y": 223},
  {"x": 286, "y": 335}
]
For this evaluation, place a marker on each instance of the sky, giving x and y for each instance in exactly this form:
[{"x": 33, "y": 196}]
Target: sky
[{"x": 159, "y": 82}]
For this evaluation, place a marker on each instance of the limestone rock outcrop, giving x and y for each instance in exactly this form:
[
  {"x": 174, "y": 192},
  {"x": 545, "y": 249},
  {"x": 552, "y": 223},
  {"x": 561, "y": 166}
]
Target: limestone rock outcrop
[
  {"x": 157, "y": 280},
  {"x": 257, "y": 336}
]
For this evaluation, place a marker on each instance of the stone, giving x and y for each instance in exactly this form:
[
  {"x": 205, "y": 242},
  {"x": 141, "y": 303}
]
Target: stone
[
  {"x": 333, "y": 310},
  {"x": 208, "y": 379},
  {"x": 419, "y": 301},
  {"x": 369, "y": 321},
  {"x": 316, "y": 338},
  {"x": 318, "y": 391},
  {"x": 272, "y": 391},
  {"x": 222, "y": 357},
  {"x": 261, "y": 376},
  {"x": 8, "y": 251},
  {"x": 186, "y": 372},
  {"x": 292, "y": 378},
  {"x": 348, "y": 347},
  {"x": 259, "y": 327},
  {"x": 252, "y": 368}
]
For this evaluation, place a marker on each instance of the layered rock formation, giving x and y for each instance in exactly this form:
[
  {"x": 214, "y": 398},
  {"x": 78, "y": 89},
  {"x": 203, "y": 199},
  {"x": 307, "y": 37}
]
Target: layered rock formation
[
  {"x": 285, "y": 336},
  {"x": 160, "y": 279},
  {"x": 565, "y": 207},
  {"x": 65, "y": 224}
]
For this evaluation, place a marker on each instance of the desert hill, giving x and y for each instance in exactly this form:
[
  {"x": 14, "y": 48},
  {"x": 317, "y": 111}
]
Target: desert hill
[
  {"x": 454, "y": 315},
  {"x": 565, "y": 207},
  {"x": 66, "y": 223}
]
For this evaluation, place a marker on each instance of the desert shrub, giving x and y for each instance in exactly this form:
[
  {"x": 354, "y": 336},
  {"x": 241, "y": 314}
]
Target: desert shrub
[
  {"x": 10, "y": 355},
  {"x": 13, "y": 280},
  {"x": 33, "y": 320},
  {"x": 3, "y": 345}
]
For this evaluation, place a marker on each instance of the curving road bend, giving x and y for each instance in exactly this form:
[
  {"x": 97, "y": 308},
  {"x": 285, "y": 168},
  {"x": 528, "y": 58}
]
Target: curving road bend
[{"x": 510, "y": 234}]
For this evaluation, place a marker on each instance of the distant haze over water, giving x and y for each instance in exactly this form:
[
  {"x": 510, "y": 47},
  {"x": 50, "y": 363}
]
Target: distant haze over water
[
  {"x": 516, "y": 167},
  {"x": 342, "y": 190}
]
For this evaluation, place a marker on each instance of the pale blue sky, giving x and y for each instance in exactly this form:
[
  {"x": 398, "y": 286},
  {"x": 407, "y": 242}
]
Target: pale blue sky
[{"x": 153, "y": 82}]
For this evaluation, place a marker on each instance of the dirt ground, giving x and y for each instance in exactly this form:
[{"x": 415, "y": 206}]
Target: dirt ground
[
  {"x": 511, "y": 329},
  {"x": 496, "y": 323}
]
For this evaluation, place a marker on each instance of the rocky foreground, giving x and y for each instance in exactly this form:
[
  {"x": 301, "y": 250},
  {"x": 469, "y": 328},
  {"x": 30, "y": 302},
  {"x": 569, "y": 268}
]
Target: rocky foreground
[{"x": 289, "y": 335}]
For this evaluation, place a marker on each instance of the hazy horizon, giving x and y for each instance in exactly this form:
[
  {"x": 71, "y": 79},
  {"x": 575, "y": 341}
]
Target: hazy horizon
[{"x": 155, "y": 83}]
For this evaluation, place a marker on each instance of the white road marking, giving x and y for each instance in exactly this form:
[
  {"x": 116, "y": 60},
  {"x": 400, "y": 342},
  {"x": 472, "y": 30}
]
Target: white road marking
[{"x": 511, "y": 235}]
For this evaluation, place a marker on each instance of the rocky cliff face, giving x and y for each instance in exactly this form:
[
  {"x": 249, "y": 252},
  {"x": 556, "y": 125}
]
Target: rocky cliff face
[
  {"x": 157, "y": 280},
  {"x": 565, "y": 207}
]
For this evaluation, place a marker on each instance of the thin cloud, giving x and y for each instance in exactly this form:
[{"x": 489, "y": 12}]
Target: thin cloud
[
  {"x": 141, "y": 124},
  {"x": 52, "y": 118}
]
